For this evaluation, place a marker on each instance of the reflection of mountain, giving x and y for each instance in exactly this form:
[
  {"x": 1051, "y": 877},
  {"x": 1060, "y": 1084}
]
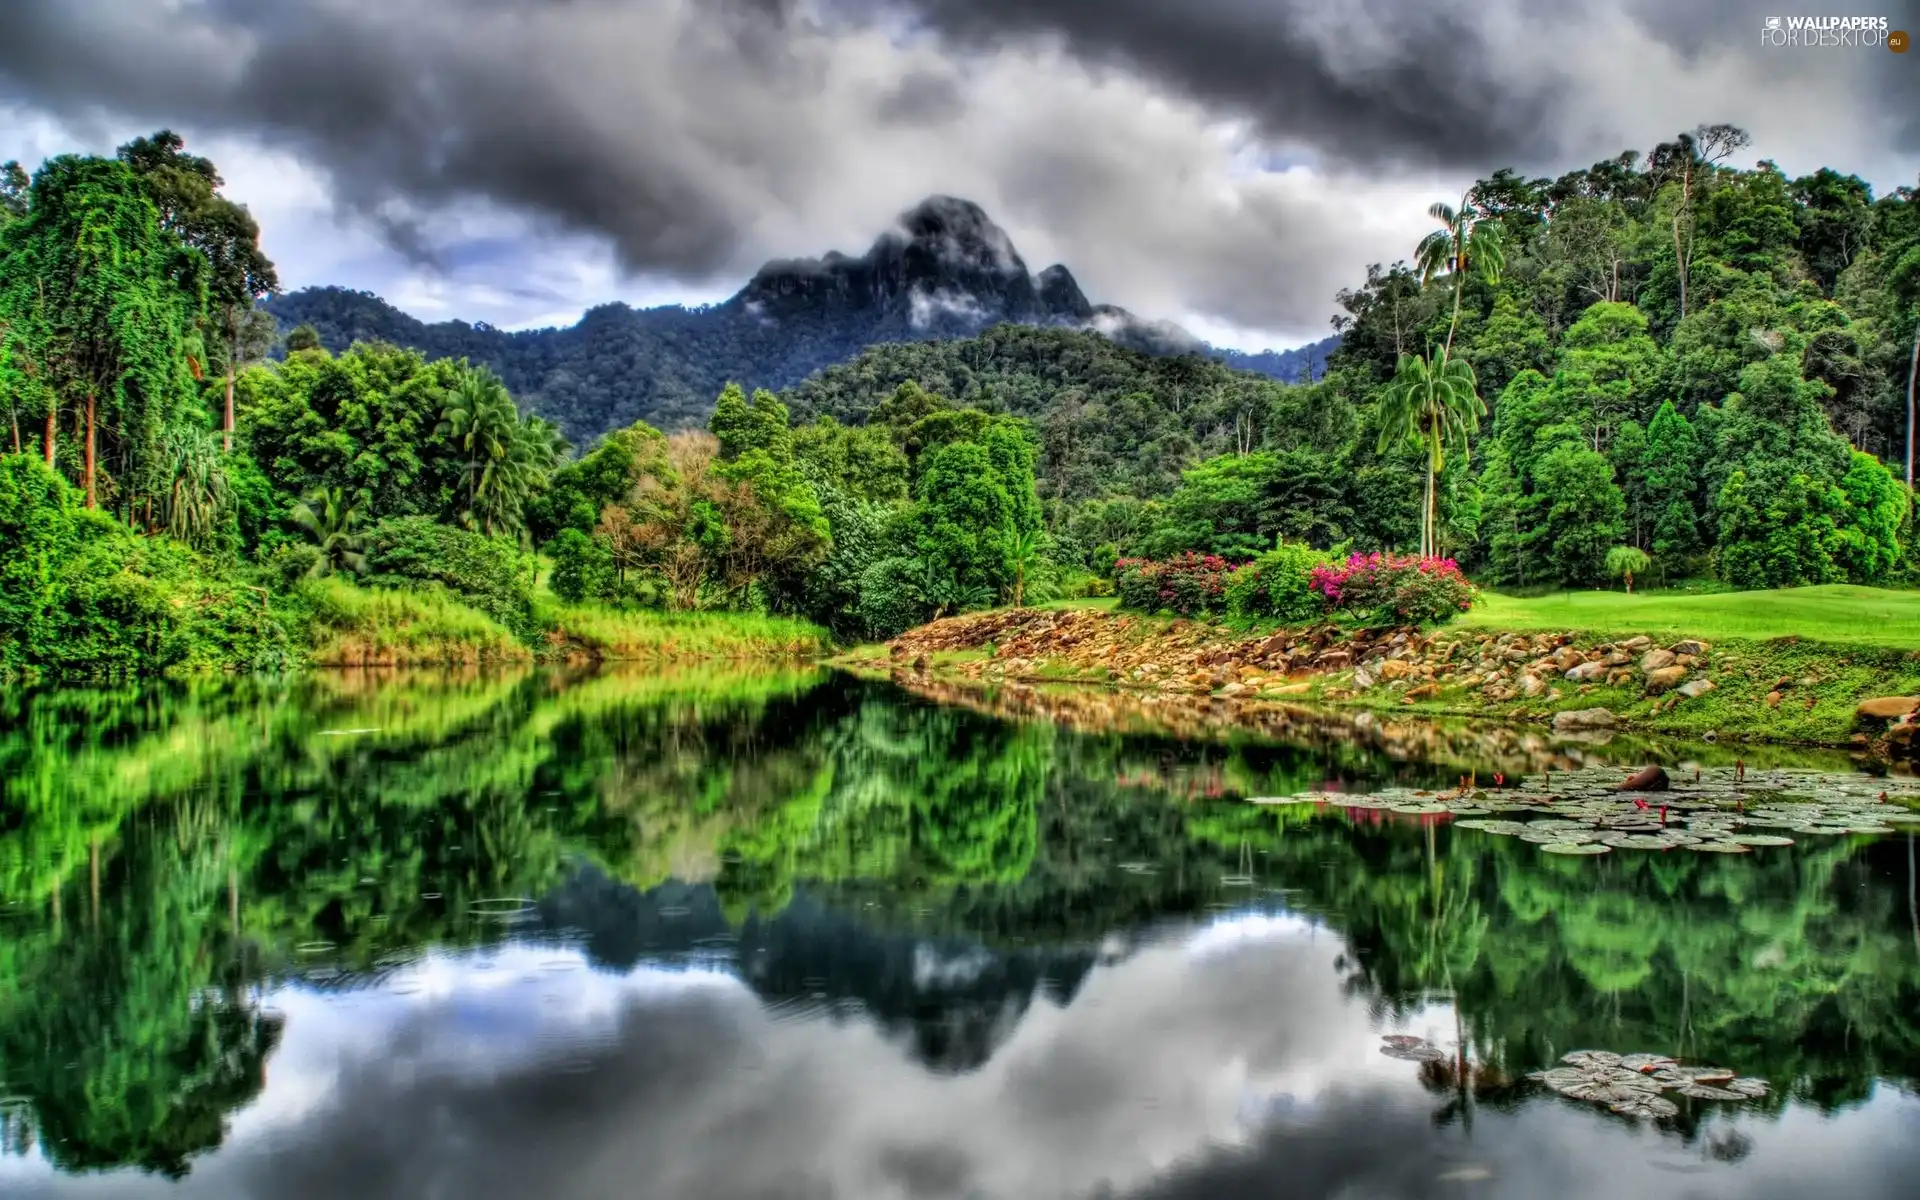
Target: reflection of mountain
[{"x": 955, "y": 999}]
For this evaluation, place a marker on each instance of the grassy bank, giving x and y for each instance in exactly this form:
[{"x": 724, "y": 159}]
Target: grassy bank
[
  {"x": 596, "y": 632},
  {"x": 1837, "y": 613},
  {"x": 1787, "y": 667},
  {"x": 353, "y": 626}
]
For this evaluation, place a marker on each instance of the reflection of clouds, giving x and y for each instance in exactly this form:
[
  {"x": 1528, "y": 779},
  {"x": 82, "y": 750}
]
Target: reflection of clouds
[{"x": 1225, "y": 1063}]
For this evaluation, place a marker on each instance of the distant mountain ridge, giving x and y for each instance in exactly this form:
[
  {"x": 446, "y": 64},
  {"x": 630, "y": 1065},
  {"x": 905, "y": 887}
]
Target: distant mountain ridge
[{"x": 947, "y": 271}]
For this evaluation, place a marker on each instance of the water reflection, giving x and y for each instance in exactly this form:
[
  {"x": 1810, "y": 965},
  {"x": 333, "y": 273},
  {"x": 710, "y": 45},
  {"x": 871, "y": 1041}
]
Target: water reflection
[{"x": 788, "y": 934}]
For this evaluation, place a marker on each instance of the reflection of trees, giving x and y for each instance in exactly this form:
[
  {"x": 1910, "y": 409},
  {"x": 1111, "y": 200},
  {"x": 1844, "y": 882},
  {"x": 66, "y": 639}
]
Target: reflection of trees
[{"x": 227, "y": 825}]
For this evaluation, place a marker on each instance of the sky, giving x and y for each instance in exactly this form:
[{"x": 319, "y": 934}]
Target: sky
[{"x": 1226, "y": 164}]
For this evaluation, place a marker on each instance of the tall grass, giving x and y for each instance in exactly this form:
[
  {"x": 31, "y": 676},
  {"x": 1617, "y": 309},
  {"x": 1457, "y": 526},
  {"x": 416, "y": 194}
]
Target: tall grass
[
  {"x": 596, "y": 631},
  {"x": 352, "y": 626}
]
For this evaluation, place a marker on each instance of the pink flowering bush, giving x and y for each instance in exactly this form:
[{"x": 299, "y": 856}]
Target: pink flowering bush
[
  {"x": 1189, "y": 584},
  {"x": 1390, "y": 589}
]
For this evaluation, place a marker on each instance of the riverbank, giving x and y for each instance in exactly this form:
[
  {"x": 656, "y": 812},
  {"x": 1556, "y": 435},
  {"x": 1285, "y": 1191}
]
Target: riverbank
[{"x": 1791, "y": 691}]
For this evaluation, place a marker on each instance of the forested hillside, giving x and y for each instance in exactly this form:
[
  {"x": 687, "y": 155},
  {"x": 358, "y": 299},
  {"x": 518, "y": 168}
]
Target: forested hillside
[{"x": 948, "y": 272}]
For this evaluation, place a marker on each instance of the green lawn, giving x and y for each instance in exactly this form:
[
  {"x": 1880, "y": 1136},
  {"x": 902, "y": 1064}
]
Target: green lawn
[{"x": 1831, "y": 613}]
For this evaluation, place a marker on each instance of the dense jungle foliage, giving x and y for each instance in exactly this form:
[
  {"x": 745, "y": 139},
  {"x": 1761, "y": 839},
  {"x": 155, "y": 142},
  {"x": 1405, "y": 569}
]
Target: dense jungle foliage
[{"x": 1670, "y": 366}]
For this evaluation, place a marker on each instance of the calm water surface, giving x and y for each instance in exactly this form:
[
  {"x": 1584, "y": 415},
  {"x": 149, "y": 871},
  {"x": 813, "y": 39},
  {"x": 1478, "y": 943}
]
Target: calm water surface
[{"x": 794, "y": 935}]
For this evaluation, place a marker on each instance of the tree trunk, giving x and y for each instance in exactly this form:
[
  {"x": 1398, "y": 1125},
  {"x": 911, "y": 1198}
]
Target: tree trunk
[
  {"x": 1019, "y": 584},
  {"x": 226, "y": 441},
  {"x": 16, "y": 430},
  {"x": 91, "y": 498},
  {"x": 1629, "y": 575},
  {"x": 53, "y": 414},
  {"x": 1913, "y": 373},
  {"x": 1459, "y": 287}
]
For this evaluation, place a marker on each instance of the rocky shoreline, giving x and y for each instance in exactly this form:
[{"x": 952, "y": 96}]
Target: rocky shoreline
[{"x": 1785, "y": 691}]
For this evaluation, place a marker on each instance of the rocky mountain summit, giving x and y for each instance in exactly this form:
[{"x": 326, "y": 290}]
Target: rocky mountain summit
[{"x": 944, "y": 271}]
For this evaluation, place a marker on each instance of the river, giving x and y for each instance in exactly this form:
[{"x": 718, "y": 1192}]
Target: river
[{"x": 787, "y": 933}]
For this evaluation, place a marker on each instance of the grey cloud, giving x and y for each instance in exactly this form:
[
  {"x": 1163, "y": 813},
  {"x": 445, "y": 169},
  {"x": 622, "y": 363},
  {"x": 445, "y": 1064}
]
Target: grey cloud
[{"x": 701, "y": 138}]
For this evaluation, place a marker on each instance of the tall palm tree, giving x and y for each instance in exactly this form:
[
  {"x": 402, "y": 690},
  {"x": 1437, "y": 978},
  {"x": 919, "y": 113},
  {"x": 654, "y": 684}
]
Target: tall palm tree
[
  {"x": 1437, "y": 404},
  {"x": 481, "y": 419},
  {"x": 331, "y": 518},
  {"x": 1465, "y": 242}
]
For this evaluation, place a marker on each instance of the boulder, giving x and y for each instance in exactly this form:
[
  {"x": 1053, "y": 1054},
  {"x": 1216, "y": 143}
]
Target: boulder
[
  {"x": 1530, "y": 685},
  {"x": 1363, "y": 679},
  {"x": 1395, "y": 668},
  {"x": 1887, "y": 708},
  {"x": 1591, "y": 672},
  {"x": 1567, "y": 657},
  {"x": 1425, "y": 691},
  {"x": 1665, "y": 679},
  {"x": 1657, "y": 660},
  {"x": 1773, "y": 699},
  {"x": 1333, "y": 660},
  {"x": 1693, "y": 689},
  {"x": 1290, "y": 689},
  {"x": 1692, "y": 646},
  {"x": 1646, "y": 779},
  {"x": 1584, "y": 718},
  {"x": 1638, "y": 643}
]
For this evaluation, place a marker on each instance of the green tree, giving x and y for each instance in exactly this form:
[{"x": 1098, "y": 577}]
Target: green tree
[
  {"x": 1623, "y": 561},
  {"x": 1436, "y": 404},
  {"x": 331, "y": 519},
  {"x": 1464, "y": 242},
  {"x": 99, "y": 306},
  {"x": 1575, "y": 513}
]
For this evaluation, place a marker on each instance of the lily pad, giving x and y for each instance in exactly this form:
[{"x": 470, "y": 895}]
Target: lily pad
[
  {"x": 1647, "y": 1062},
  {"x": 1706, "y": 1091},
  {"x": 1762, "y": 839},
  {"x": 1576, "y": 848},
  {"x": 1721, "y": 848},
  {"x": 1420, "y": 1053},
  {"x": 1645, "y": 1105},
  {"x": 1749, "y": 1087},
  {"x": 1592, "y": 1059},
  {"x": 1420, "y": 810}
]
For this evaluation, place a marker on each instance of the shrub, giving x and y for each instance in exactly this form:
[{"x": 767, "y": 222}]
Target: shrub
[
  {"x": 582, "y": 567},
  {"x": 1188, "y": 584},
  {"x": 1387, "y": 589},
  {"x": 891, "y": 598},
  {"x": 1279, "y": 586},
  {"x": 491, "y": 574}
]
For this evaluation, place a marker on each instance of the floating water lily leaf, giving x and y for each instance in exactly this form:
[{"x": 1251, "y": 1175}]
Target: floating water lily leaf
[
  {"x": 1749, "y": 1087},
  {"x": 1647, "y": 1062},
  {"x": 1592, "y": 1059},
  {"x": 1645, "y": 1105},
  {"x": 1576, "y": 848},
  {"x": 1706, "y": 1091},
  {"x": 1419, "y": 810},
  {"x": 1421, "y": 1053},
  {"x": 1403, "y": 1039},
  {"x": 1720, "y": 848},
  {"x": 1762, "y": 839},
  {"x": 1638, "y": 841}
]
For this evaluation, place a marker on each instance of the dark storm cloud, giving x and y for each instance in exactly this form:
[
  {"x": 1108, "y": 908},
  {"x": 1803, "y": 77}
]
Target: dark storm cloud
[{"x": 699, "y": 137}]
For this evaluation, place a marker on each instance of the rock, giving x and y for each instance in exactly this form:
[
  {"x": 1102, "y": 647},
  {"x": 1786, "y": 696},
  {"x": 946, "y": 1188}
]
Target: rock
[
  {"x": 1233, "y": 689},
  {"x": 1887, "y": 708},
  {"x": 1395, "y": 668},
  {"x": 1646, "y": 779},
  {"x": 1665, "y": 680},
  {"x": 1590, "y": 672},
  {"x": 1691, "y": 646},
  {"x": 1333, "y": 660},
  {"x": 1618, "y": 658},
  {"x": 1773, "y": 699},
  {"x": 1584, "y": 718},
  {"x": 920, "y": 664},
  {"x": 1619, "y": 675},
  {"x": 1638, "y": 643},
  {"x": 1530, "y": 685},
  {"x": 1693, "y": 689},
  {"x": 1363, "y": 679},
  {"x": 1657, "y": 660},
  {"x": 1425, "y": 691},
  {"x": 1290, "y": 689},
  {"x": 1567, "y": 657}
]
